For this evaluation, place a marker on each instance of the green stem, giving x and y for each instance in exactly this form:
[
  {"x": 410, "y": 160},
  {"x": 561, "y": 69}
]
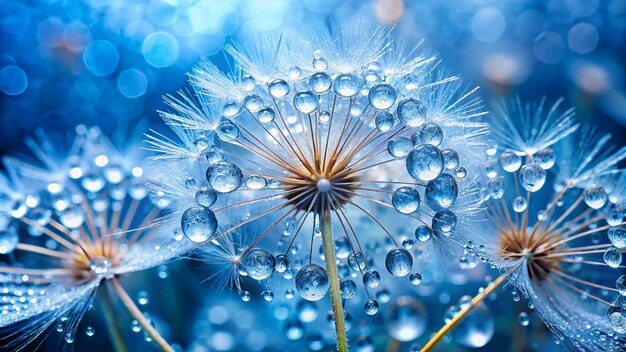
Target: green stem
[
  {"x": 335, "y": 293},
  {"x": 112, "y": 324}
]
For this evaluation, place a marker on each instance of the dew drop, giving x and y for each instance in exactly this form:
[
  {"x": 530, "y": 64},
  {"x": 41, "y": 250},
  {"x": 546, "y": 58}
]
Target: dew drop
[
  {"x": 89, "y": 331},
  {"x": 100, "y": 265},
  {"x": 415, "y": 278},
  {"x": 424, "y": 162},
  {"x": 266, "y": 115},
  {"x": 411, "y": 112},
  {"x": 198, "y": 224},
  {"x": 255, "y": 182},
  {"x": 205, "y": 197},
  {"x": 431, "y": 133},
  {"x": 423, "y": 233},
  {"x": 510, "y": 161},
  {"x": 319, "y": 82},
  {"x": 399, "y": 147},
  {"x": 399, "y": 262},
  {"x": 617, "y": 236},
  {"x": 258, "y": 263},
  {"x": 533, "y": 177},
  {"x": 224, "y": 177},
  {"x": 545, "y": 158},
  {"x": 519, "y": 204},
  {"x": 282, "y": 263},
  {"x": 444, "y": 221},
  {"x": 612, "y": 257},
  {"x": 346, "y": 85},
  {"x": 595, "y": 197},
  {"x": 231, "y": 109},
  {"x": 371, "y": 278},
  {"x": 227, "y": 131},
  {"x": 382, "y": 96},
  {"x": 312, "y": 282},
  {"x": 305, "y": 102},
  {"x": 406, "y": 200},
  {"x": 371, "y": 307},
  {"x": 278, "y": 88},
  {"x": 253, "y": 103},
  {"x": 442, "y": 192},
  {"x": 620, "y": 285},
  {"x": 384, "y": 121},
  {"x": 523, "y": 319},
  {"x": 347, "y": 288}
]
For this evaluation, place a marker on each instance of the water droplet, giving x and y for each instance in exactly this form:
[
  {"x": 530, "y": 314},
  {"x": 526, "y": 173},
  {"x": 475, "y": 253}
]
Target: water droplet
[
  {"x": 617, "y": 319},
  {"x": 415, "y": 278},
  {"x": 268, "y": 296},
  {"x": 406, "y": 200},
  {"x": 617, "y": 236},
  {"x": 613, "y": 257},
  {"x": 384, "y": 121},
  {"x": 424, "y": 162},
  {"x": 100, "y": 265},
  {"x": 278, "y": 88},
  {"x": 258, "y": 263},
  {"x": 519, "y": 204},
  {"x": 231, "y": 109},
  {"x": 523, "y": 319},
  {"x": 510, "y": 161},
  {"x": 408, "y": 243},
  {"x": 444, "y": 221},
  {"x": 477, "y": 327},
  {"x": 460, "y": 172},
  {"x": 255, "y": 182},
  {"x": 399, "y": 147},
  {"x": 430, "y": 133},
  {"x": 346, "y": 85},
  {"x": 72, "y": 217},
  {"x": 423, "y": 233},
  {"x": 324, "y": 117},
  {"x": 356, "y": 261},
  {"x": 224, "y": 177},
  {"x": 312, "y": 282},
  {"x": 382, "y": 96},
  {"x": 320, "y": 64},
  {"x": 441, "y": 193},
  {"x": 205, "y": 197},
  {"x": 89, "y": 331},
  {"x": 319, "y": 82},
  {"x": 266, "y": 115},
  {"x": 545, "y": 158},
  {"x": 370, "y": 307},
  {"x": 533, "y": 177},
  {"x": 406, "y": 319},
  {"x": 347, "y": 288},
  {"x": 198, "y": 224},
  {"x": 595, "y": 197},
  {"x": 245, "y": 296},
  {"x": 253, "y": 102},
  {"x": 371, "y": 278},
  {"x": 227, "y": 131},
  {"x": 399, "y": 262},
  {"x": 8, "y": 240},
  {"x": 412, "y": 112},
  {"x": 282, "y": 263},
  {"x": 620, "y": 285},
  {"x": 305, "y": 102}
]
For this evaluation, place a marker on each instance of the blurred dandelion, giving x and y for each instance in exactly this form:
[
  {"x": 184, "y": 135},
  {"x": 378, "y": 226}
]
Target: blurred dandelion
[
  {"x": 319, "y": 131},
  {"x": 79, "y": 217},
  {"x": 558, "y": 239}
]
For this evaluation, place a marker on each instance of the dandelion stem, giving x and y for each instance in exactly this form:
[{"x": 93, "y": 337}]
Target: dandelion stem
[
  {"x": 137, "y": 314},
  {"x": 335, "y": 293},
  {"x": 462, "y": 313},
  {"x": 111, "y": 321}
]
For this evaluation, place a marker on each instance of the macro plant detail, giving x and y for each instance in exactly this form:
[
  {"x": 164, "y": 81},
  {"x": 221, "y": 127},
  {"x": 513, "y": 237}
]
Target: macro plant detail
[
  {"x": 556, "y": 221},
  {"x": 75, "y": 220},
  {"x": 316, "y": 143}
]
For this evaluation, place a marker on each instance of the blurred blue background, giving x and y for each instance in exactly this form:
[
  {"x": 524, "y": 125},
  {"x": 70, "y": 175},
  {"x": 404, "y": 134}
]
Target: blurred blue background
[{"x": 109, "y": 62}]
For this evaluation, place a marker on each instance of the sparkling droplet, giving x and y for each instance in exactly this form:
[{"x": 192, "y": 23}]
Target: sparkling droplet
[
  {"x": 198, "y": 224},
  {"x": 320, "y": 82},
  {"x": 268, "y": 296},
  {"x": 245, "y": 296},
  {"x": 224, "y": 177},
  {"x": 399, "y": 147},
  {"x": 519, "y": 204},
  {"x": 399, "y": 262},
  {"x": 89, "y": 331},
  {"x": 346, "y": 85},
  {"x": 406, "y": 200},
  {"x": 460, "y": 172},
  {"x": 613, "y": 257},
  {"x": 510, "y": 161},
  {"x": 282, "y": 263},
  {"x": 312, "y": 282},
  {"x": 253, "y": 102},
  {"x": 442, "y": 192},
  {"x": 100, "y": 265},
  {"x": 305, "y": 102},
  {"x": 424, "y": 162},
  {"x": 523, "y": 319},
  {"x": 227, "y": 131},
  {"x": 356, "y": 261},
  {"x": 205, "y": 197},
  {"x": 444, "y": 221},
  {"x": 406, "y": 319},
  {"x": 533, "y": 177},
  {"x": 384, "y": 121},
  {"x": 266, "y": 115},
  {"x": 382, "y": 96},
  {"x": 231, "y": 109},
  {"x": 411, "y": 112},
  {"x": 371, "y": 307},
  {"x": 371, "y": 278},
  {"x": 258, "y": 263},
  {"x": 431, "y": 133},
  {"x": 347, "y": 288},
  {"x": 451, "y": 160},
  {"x": 595, "y": 197},
  {"x": 617, "y": 236},
  {"x": 324, "y": 117},
  {"x": 617, "y": 319},
  {"x": 545, "y": 158},
  {"x": 415, "y": 278},
  {"x": 278, "y": 88},
  {"x": 620, "y": 285},
  {"x": 423, "y": 233},
  {"x": 255, "y": 182}
]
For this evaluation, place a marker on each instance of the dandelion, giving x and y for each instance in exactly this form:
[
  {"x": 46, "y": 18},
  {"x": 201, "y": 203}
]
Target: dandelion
[
  {"x": 557, "y": 244},
  {"x": 319, "y": 132},
  {"x": 84, "y": 219}
]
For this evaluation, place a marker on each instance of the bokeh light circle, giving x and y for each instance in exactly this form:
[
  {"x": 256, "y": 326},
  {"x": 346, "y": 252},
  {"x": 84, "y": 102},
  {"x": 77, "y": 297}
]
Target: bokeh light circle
[
  {"x": 132, "y": 83},
  {"x": 160, "y": 49},
  {"x": 13, "y": 80},
  {"x": 101, "y": 57}
]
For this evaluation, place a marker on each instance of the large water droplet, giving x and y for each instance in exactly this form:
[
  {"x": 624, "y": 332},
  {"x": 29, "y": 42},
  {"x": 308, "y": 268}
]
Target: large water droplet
[
  {"x": 266, "y": 115},
  {"x": 198, "y": 224},
  {"x": 510, "y": 161},
  {"x": 347, "y": 288},
  {"x": 205, "y": 197},
  {"x": 431, "y": 133},
  {"x": 617, "y": 236},
  {"x": 617, "y": 319},
  {"x": 612, "y": 257},
  {"x": 319, "y": 82},
  {"x": 312, "y": 282},
  {"x": 370, "y": 307},
  {"x": 412, "y": 112},
  {"x": 399, "y": 147},
  {"x": 382, "y": 96},
  {"x": 423, "y": 233},
  {"x": 545, "y": 158},
  {"x": 406, "y": 319},
  {"x": 231, "y": 109},
  {"x": 278, "y": 88},
  {"x": 384, "y": 121},
  {"x": 224, "y": 177},
  {"x": 533, "y": 177},
  {"x": 399, "y": 262},
  {"x": 258, "y": 263},
  {"x": 346, "y": 85},
  {"x": 371, "y": 278},
  {"x": 476, "y": 329},
  {"x": 305, "y": 102},
  {"x": 227, "y": 131},
  {"x": 282, "y": 263},
  {"x": 441, "y": 193},
  {"x": 444, "y": 221},
  {"x": 253, "y": 102},
  {"x": 406, "y": 200},
  {"x": 424, "y": 162},
  {"x": 595, "y": 197},
  {"x": 620, "y": 285}
]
